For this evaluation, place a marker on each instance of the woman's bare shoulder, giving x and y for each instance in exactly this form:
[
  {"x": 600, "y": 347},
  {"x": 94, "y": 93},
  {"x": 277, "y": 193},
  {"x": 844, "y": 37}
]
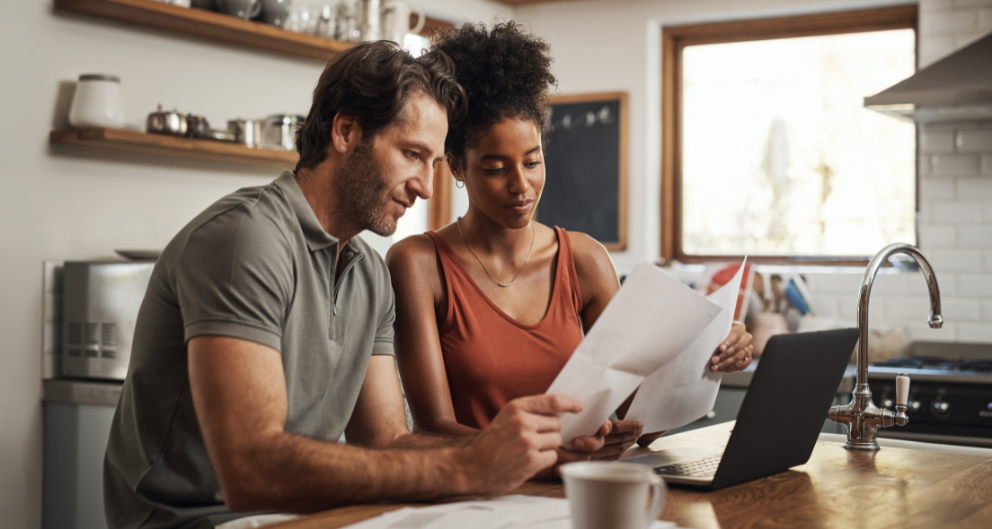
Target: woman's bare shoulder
[
  {"x": 415, "y": 253},
  {"x": 588, "y": 251}
]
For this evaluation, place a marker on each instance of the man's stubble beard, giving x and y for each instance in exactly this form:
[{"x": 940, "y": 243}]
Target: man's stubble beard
[{"x": 362, "y": 193}]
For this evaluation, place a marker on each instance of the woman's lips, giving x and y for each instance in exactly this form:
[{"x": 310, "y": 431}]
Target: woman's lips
[{"x": 521, "y": 207}]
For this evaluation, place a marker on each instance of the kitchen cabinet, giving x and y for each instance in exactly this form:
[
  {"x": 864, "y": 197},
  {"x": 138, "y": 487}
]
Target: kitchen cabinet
[{"x": 77, "y": 425}]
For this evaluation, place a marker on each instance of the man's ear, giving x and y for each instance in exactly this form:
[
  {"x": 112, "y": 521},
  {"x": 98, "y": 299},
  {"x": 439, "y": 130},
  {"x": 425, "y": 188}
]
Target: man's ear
[{"x": 345, "y": 133}]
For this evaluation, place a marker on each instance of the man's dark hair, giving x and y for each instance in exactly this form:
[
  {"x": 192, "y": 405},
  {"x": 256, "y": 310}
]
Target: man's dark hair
[
  {"x": 505, "y": 72},
  {"x": 372, "y": 83}
]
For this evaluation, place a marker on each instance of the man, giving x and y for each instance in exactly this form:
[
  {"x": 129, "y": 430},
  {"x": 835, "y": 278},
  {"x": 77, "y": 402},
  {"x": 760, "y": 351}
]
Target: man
[{"x": 266, "y": 331}]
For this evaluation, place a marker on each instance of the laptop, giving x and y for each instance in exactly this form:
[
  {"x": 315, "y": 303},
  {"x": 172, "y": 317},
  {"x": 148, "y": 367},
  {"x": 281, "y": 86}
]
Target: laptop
[{"x": 781, "y": 417}]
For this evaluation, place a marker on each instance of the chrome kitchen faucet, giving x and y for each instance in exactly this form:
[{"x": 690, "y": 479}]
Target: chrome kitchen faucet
[{"x": 861, "y": 416}]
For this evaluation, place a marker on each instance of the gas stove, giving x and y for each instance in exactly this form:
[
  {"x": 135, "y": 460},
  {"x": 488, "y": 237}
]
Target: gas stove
[{"x": 950, "y": 399}]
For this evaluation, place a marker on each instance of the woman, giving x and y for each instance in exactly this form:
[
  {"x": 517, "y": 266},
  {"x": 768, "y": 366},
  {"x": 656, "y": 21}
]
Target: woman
[{"x": 490, "y": 307}]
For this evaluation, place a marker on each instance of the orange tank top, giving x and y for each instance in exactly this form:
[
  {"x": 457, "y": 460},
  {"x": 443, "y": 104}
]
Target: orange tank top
[{"x": 490, "y": 358}]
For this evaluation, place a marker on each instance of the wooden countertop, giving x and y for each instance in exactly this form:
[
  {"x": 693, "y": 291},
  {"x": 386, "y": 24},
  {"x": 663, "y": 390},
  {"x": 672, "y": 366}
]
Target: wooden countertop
[{"x": 891, "y": 488}]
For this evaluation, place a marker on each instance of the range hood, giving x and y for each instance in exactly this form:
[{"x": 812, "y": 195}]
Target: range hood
[{"x": 955, "y": 88}]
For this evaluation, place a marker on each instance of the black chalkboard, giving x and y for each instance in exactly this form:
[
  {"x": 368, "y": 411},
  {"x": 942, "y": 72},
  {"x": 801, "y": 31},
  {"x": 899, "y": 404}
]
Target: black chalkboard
[{"x": 585, "y": 164}]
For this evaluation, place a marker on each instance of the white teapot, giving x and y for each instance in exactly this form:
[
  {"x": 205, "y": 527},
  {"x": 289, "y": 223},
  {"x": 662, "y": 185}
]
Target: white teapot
[{"x": 396, "y": 20}]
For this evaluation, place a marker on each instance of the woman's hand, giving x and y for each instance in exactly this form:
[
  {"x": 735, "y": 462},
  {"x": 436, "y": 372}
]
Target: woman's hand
[
  {"x": 734, "y": 354},
  {"x": 645, "y": 440},
  {"x": 617, "y": 437}
]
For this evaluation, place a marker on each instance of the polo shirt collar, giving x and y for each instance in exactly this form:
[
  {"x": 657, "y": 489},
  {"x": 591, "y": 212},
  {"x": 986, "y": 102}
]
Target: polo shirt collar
[{"x": 313, "y": 232}]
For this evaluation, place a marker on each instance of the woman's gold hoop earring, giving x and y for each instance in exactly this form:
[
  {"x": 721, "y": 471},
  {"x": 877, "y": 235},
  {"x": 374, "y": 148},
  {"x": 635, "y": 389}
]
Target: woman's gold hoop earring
[{"x": 459, "y": 181}]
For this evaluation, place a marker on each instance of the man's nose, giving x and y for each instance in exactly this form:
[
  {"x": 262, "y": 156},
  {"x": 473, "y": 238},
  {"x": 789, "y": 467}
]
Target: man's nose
[{"x": 423, "y": 183}]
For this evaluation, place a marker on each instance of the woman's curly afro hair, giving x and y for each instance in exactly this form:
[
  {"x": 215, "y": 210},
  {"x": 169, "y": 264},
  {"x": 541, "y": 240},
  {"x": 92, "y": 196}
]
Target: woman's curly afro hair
[{"x": 506, "y": 73}]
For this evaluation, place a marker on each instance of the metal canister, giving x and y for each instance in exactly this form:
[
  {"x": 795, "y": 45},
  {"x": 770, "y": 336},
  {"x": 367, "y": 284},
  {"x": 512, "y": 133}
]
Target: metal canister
[
  {"x": 246, "y": 131},
  {"x": 279, "y": 131}
]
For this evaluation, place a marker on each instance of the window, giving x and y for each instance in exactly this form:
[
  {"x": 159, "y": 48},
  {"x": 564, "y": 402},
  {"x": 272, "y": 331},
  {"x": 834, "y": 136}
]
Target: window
[{"x": 767, "y": 148}]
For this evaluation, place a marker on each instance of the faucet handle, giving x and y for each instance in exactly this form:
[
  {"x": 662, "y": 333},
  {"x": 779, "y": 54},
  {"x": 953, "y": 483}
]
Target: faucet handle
[{"x": 902, "y": 390}]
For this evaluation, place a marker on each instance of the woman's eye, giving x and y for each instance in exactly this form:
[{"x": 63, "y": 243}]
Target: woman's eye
[
  {"x": 493, "y": 170},
  {"x": 533, "y": 164}
]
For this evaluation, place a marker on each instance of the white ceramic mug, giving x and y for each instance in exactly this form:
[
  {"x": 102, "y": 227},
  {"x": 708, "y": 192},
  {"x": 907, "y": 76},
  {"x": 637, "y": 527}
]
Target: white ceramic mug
[{"x": 612, "y": 495}]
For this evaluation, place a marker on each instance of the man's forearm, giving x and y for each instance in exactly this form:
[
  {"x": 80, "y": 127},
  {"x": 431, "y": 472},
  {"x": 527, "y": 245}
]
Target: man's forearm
[
  {"x": 429, "y": 440},
  {"x": 289, "y": 473}
]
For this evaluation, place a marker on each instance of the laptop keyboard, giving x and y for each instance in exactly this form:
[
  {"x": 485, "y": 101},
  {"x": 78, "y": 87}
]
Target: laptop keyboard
[{"x": 700, "y": 468}]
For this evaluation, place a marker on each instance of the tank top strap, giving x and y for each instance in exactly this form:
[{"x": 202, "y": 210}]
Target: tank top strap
[
  {"x": 566, "y": 264},
  {"x": 448, "y": 268}
]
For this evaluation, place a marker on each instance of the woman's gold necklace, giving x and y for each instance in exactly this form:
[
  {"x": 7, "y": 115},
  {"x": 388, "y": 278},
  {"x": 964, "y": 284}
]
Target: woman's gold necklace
[{"x": 504, "y": 285}]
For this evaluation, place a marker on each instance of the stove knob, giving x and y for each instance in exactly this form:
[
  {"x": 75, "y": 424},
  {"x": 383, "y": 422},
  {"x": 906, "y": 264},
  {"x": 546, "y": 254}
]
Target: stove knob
[{"x": 940, "y": 409}]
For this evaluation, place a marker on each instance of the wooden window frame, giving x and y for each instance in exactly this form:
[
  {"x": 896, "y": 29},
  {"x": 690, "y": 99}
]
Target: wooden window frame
[{"x": 675, "y": 39}]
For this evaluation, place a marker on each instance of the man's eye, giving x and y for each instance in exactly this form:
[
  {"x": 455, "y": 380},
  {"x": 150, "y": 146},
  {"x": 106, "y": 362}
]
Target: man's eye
[{"x": 413, "y": 155}]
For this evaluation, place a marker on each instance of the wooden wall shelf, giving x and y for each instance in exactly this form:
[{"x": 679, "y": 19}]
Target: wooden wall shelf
[
  {"x": 209, "y": 25},
  {"x": 160, "y": 144}
]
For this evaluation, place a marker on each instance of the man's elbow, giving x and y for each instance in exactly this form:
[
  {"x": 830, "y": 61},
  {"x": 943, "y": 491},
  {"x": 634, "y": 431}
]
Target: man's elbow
[{"x": 244, "y": 483}]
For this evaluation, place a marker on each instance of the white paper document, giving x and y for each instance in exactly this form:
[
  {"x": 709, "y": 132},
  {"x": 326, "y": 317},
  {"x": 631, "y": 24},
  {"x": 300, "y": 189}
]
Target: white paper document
[
  {"x": 649, "y": 323},
  {"x": 685, "y": 389},
  {"x": 506, "y": 512}
]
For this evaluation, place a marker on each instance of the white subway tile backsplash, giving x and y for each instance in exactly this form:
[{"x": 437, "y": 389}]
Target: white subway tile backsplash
[
  {"x": 937, "y": 189},
  {"x": 974, "y": 140},
  {"x": 955, "y": 164},
  {"x": 960, "y": 309},
  {"x": 920, "y": 331},
  {"x": 923, "y": 166},
  {"x": 936, "y": 141},
  {"x": 937, "y": 237},
  {"x": 944, "y": 22},
  {"x": 985, "y": 18},
  {"x": 975, "y": 236},
  {"x": 964, "y": 39},
  {"x": 885, "y": 284},
  {"x": 974, "y": 285},
  {"x": 933, "y": 49},
  {"x": 971, "y": 188},
  {"x": 974, "y": 332},
  {"x": 944, "y": 261},
  {"x": 826, "y": 304},
  {"x": 935, "y": 5},
  {"x": 986, "y": 310},
  {"x": 987, "y": 260},
  {"x": 838, "y": 283},
  {"x": 957, "y": 212},
  {"x": 987, "y": 212},
  {"x": 946, "y": 283},
  {"x": 904, "y": 307},
  {"x": 987, "y": 164}
]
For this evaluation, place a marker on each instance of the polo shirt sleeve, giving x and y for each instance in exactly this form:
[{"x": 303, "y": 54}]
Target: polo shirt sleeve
[
  {"x": 234, "y": 279},
  {"x": 383, "y": 344}
]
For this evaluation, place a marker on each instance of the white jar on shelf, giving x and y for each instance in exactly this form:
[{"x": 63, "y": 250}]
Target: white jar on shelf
[{"x": 97, "y": 102}]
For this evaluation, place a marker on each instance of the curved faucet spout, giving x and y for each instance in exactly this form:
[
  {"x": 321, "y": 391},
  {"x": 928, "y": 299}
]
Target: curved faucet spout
[
  {"x": 861, "y": 416},
  {"x": 935, "y": 320}
]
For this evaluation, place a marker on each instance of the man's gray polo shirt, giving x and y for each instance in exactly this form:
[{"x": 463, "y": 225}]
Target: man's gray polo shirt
[{"x": 258, "y": 266}]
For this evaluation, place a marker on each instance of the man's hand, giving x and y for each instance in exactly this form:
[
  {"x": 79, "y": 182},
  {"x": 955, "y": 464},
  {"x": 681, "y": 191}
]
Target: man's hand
[
  {"x": 734, "y": 354},
  {"x": 521, "y": 441}
]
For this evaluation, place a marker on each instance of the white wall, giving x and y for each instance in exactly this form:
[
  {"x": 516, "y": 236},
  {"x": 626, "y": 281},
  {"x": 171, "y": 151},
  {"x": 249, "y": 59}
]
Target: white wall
[{"x": 62, "y": 203}]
